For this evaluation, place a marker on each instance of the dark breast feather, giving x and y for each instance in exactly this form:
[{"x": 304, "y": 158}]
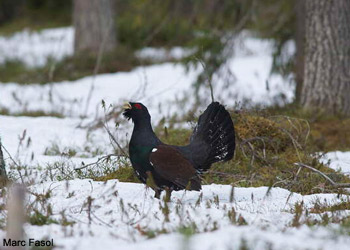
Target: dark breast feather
[{"x": 170, "y": 164}]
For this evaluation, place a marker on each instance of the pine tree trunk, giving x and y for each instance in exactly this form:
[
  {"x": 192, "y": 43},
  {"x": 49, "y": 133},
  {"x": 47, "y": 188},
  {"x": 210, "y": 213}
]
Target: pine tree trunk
[
  {"x": 300, "y": 47},
  {"x": 94, "y": 25},
  {"x": 327, "y": 56}
]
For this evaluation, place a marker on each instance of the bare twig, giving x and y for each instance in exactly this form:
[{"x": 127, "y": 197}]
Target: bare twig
[
  {"x": 16, "y": 164},
  {"x": 294, "y": 125},
  {"x": 115, "y": 141},
  {"x": 208, "y": 78},
  {"x": 2, "y": 164},
  {"x": 111, "y": 137},
  {"x": 101, "y": 159},
  {"x": 254, "y": 152},
  {"x": 337, "y": 185}
]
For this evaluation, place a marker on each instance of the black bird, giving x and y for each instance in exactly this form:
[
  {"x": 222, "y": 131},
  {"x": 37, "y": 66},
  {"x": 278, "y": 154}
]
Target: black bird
[{"x": 168, "y": 167}]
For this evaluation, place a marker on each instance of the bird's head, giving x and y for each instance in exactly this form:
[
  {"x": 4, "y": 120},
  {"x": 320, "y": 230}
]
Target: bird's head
[{"x": 136, "y": 111}]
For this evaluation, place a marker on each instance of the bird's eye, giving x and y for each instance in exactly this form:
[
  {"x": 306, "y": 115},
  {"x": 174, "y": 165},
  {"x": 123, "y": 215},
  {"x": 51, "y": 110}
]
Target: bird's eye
[{"x": 137, "y": 106}]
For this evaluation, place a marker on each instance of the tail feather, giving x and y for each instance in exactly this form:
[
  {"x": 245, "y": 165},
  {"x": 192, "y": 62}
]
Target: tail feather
[{"x": 213, "y": 138}]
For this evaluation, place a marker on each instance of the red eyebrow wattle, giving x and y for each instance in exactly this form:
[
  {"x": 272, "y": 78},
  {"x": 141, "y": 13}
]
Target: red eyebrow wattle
[{"x": 137, "y": 106}]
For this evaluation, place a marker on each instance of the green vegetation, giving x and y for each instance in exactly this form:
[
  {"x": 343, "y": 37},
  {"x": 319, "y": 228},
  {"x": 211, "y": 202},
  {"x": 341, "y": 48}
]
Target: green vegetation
[
  {"x": 124, "y": 173},
  {"x": 326, "y": 215},
  {"x": 39, "y": 219},
  {"x": 70, "y": 68},
  {"x": 35, "y": 113},
  {"x": 85, "y": 152},
  {"x": 16, "y": 15},
  {"x": 54, "y": 149},
  {"x": 321, "y": 208},
  {"x": 327, "y": 132}
]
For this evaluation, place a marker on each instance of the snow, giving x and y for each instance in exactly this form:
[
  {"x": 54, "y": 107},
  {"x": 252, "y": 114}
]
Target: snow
[
  {"x": 161, "y": 87},
  {"x": 121, "y": 211},
  {"x": 43, "y": 133},
  {"x": 162, "y": 54},
  {"x": 338, "y": 161},
  {"x": 34, "y": 48},
  {"x": 152, "y": 85},
  {"x": 122, "y": 214}
]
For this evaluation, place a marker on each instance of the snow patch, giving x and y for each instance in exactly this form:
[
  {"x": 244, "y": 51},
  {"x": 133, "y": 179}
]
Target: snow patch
[
  {"x": 34, "y": 48},
  {"x": 338, "y": 161}
]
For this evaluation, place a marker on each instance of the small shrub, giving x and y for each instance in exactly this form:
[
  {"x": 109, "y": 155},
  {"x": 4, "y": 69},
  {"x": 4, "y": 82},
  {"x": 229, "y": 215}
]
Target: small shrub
[{"x": 39, "y": 219}]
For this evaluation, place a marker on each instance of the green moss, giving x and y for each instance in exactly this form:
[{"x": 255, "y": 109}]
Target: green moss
[
  {"x": 123, "y": 173},
  {"x": 173, "y": 136},
  {"x": 333, "y": 134},
  {"x": 327, "y": 132}
]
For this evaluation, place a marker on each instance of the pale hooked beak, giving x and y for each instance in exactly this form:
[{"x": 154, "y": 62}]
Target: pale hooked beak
[{"x": 127, "y": 106}]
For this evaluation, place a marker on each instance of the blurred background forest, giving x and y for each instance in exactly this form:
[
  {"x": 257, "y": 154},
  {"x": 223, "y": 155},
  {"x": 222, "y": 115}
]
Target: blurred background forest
[{"x": 204, "y": 24}]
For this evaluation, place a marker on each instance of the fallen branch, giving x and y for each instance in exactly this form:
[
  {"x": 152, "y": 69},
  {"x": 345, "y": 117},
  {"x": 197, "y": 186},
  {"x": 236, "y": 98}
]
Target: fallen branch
[{"x": 334, "y": 184}]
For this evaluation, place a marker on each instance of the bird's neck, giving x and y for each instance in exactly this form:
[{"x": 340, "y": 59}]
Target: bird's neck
[
  {"x": 143, "y": 134},
  {"x": 143, "y": 126}
]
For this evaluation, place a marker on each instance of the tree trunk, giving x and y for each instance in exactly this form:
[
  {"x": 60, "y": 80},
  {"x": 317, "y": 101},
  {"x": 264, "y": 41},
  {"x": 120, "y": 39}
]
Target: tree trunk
[
  {"x": 300, "y": 47},
  {"x": 94, "y": 25},
  {"x": 327, "y": 56}
]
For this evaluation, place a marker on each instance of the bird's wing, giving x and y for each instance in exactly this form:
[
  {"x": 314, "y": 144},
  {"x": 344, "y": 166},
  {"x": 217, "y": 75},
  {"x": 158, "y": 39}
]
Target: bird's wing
[{"x": 171, "y": 165}]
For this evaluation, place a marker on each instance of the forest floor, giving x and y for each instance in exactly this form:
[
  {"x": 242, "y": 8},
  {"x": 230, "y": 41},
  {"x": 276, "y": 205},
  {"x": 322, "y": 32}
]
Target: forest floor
[{"x": 50, "y": 129}]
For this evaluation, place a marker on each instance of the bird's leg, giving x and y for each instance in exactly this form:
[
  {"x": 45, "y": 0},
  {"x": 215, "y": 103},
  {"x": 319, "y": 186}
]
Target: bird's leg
[
  {"x": 167, "y": 194},
  {"x": 157, "y": 193},
  {"x": 152, "y": 184}
]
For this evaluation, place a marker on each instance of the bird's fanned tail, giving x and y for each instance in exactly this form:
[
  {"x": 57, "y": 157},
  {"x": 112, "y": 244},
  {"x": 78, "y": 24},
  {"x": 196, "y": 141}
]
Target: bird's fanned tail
[{"x": 213, "y": 138}]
